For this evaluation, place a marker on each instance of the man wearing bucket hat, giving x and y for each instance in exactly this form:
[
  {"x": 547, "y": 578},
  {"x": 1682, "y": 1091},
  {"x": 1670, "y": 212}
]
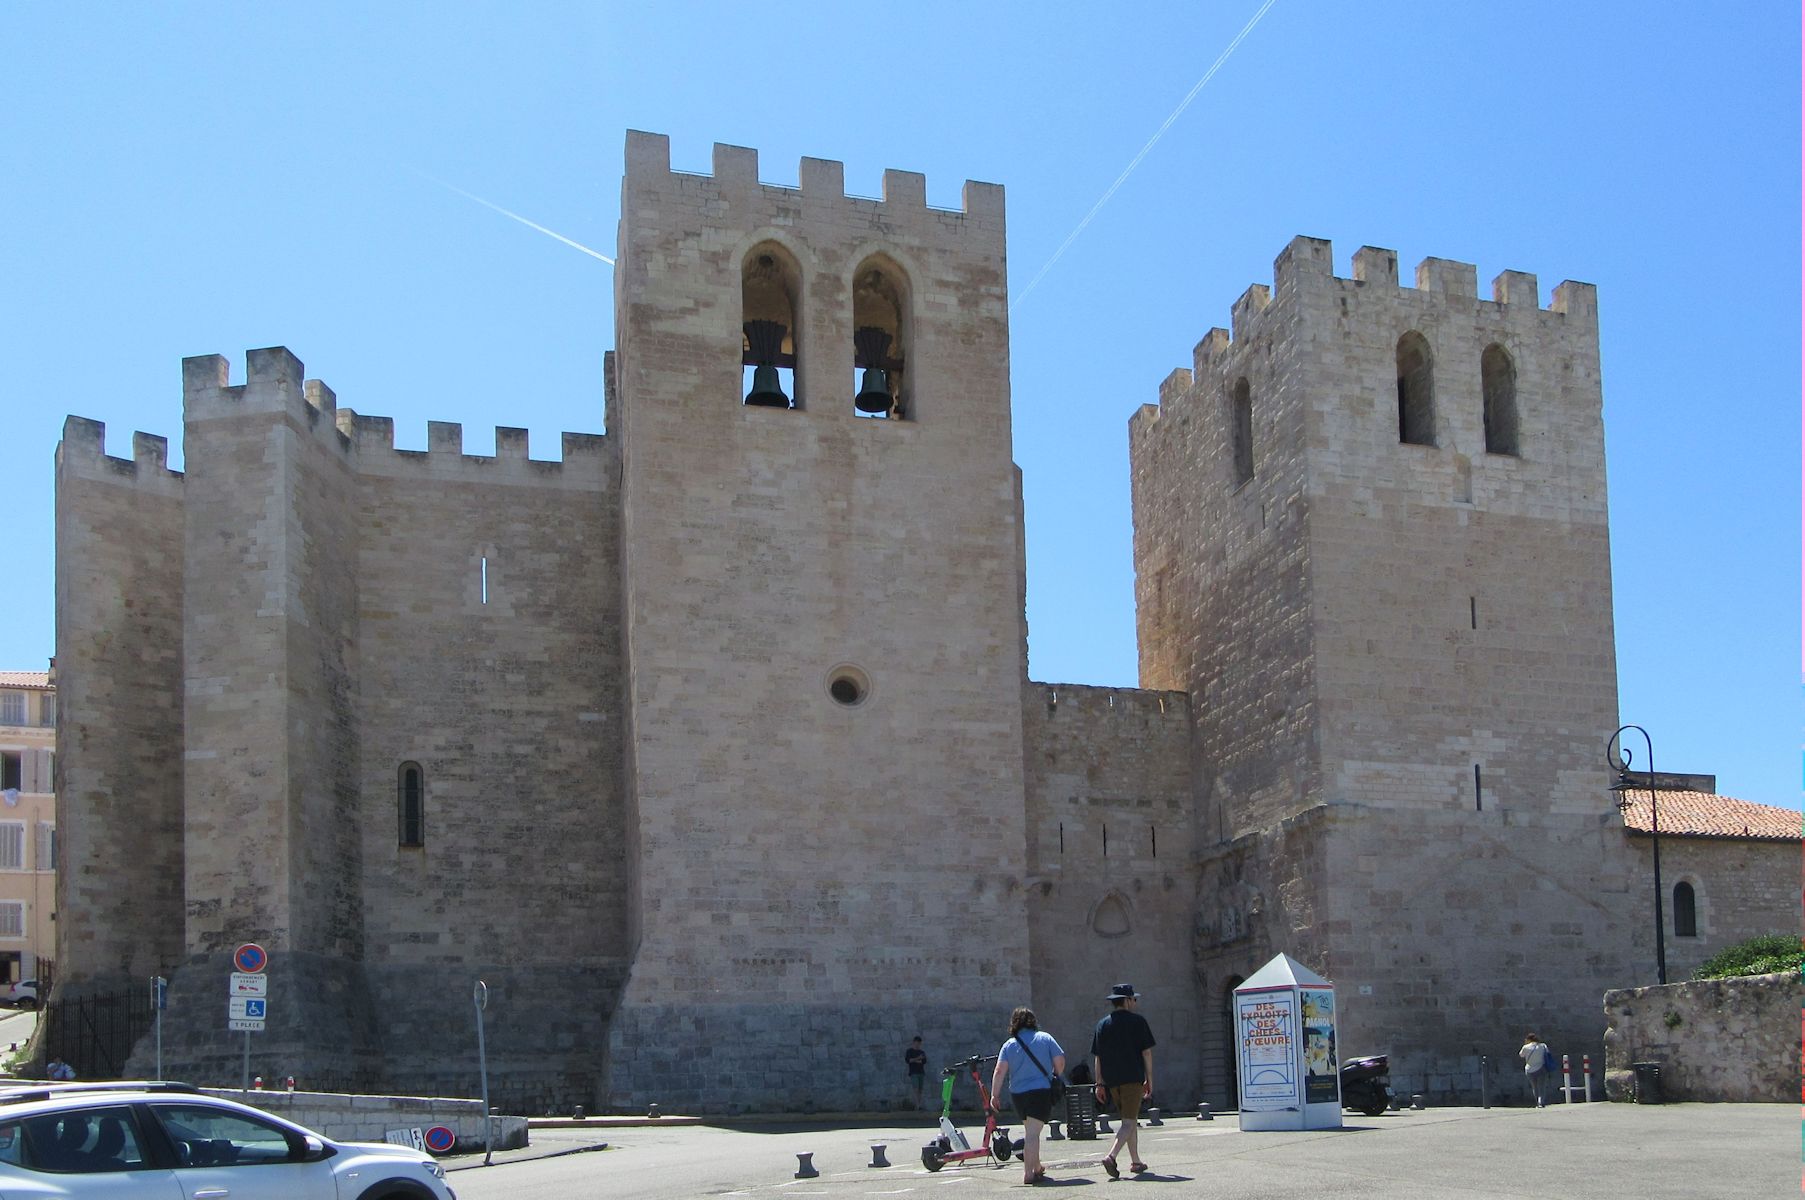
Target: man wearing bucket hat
[{"x": 1122, "y": 1050}]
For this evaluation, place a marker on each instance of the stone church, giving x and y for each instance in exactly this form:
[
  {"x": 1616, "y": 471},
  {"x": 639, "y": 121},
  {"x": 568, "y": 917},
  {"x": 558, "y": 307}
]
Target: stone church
[{"x": 709, "y": 745}]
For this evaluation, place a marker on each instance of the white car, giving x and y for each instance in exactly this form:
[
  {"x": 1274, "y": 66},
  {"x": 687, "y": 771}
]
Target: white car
[
  {"x": 170, "y": 1141},
  {"x": 23, "y": 994}
]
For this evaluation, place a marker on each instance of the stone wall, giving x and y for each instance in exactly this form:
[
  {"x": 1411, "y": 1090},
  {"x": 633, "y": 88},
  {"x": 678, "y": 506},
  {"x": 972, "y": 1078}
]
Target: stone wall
[
  {"x": 489, "y": 651},
  {"x": 1414, "y": 637},
  {"x": 358, "y": 1118},
  {"x": 1741, "y": 888},
  {"x": 119, "y": 726},
  {"x": 1729, "y": 1040},
  {"x": 1112, "y": 880},
  {"x": 847, "y": 873}
]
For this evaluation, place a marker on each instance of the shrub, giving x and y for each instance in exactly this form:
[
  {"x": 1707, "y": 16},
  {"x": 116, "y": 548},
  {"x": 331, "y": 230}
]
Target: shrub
[{"x": 1762, "y": 955}]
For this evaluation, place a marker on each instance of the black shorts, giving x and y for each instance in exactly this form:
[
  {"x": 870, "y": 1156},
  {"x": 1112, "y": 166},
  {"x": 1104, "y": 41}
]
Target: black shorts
[{"x": 1037, "y": 1104}]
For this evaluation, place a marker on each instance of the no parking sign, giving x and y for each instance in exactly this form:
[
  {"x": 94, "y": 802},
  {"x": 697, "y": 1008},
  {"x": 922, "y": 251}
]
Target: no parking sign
[
  {"x": 250, "y": 958},
  {"x": 439, "y": 1139}
]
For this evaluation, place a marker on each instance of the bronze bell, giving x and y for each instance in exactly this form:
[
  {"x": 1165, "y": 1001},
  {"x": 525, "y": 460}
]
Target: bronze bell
[
  {"x": 874, "y": 392},
  {"x": 764, "y": 342},
  {"x": 767, "y": 391},
  {"x": 874, "y": 386}
]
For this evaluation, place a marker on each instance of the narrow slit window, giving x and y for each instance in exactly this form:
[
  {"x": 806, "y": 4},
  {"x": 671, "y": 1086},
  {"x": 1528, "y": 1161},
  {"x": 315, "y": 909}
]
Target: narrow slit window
[
  {"x": 411, "y": 804},
  {"x": 1473, "y": 610},
  {"x": 1478, "y": 790},
  {"x": 1242, "y": 416},
  {"x": 1153, "y": 839}
]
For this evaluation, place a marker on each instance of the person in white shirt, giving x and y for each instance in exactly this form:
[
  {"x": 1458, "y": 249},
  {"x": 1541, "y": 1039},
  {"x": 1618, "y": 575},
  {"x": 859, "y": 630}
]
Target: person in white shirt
[{"x": 1538, "y": 1060}]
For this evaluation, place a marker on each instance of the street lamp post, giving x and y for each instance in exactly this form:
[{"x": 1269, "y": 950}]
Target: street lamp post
[{"x": 1619, "y": 757}]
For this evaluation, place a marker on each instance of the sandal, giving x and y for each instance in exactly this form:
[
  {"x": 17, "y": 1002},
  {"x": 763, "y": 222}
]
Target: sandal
[
  {"x": 1109, "y": 1164},
  {"x": 1138, "y": 1168}
]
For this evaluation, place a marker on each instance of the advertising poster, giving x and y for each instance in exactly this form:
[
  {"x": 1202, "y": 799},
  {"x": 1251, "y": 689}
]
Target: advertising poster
[
  {"x": 1320, "y": 1065},
  {"x": 1268, "y": 1029}
]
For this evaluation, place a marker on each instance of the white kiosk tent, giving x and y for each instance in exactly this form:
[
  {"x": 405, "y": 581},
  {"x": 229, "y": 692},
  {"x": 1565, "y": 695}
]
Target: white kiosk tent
[{"x": 1290, "y": 1074}]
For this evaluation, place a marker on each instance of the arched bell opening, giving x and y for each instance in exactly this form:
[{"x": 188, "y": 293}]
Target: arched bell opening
[
  {"x": 880, "y": 339},
  {"x": 1498, "y": 381},
  {"x": 770, "y": 299},
  {"x": 1416, "y": 391}
]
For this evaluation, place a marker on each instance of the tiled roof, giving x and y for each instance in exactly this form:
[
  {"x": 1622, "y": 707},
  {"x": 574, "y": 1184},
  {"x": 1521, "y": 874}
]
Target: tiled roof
[
  {"x": 1701, "y": 814},
  {"x": 25, "y": 679}
]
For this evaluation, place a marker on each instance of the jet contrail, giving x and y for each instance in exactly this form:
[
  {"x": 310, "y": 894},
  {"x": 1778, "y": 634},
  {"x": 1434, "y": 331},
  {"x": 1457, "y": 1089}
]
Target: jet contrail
[
  {"x": 1136, "y": 161},
  {"x": 516, "y": 216}
]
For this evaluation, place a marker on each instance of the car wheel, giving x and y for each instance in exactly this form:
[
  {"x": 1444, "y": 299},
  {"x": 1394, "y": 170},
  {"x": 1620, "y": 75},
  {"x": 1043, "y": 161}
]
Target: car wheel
[
  {"x": 398, "y": 1189},
  {"x": 27, "y": 1003}
]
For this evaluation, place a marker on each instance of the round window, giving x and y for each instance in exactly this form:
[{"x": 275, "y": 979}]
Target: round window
[{"x": 848, "y": 685}]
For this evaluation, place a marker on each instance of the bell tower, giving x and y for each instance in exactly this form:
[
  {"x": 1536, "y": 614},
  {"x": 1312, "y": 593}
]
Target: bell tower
[{"x": 822, "y": 574}]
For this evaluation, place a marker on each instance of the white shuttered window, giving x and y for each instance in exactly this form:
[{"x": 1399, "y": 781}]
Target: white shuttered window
[{"x": 12, "y": 845}]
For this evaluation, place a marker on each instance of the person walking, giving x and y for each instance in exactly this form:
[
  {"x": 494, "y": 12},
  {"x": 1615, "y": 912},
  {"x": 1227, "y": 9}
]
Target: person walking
[
  {"x": 917, "y": 1060},
  {"x": 1122, "y": 1049},
  {"x": 1028, "y": 1063},
  {"x": 1538, "y": 1061}
]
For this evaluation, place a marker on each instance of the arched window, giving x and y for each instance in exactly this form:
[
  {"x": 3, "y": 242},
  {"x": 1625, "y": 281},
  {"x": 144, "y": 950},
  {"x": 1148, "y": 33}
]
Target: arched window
[
  {"x": 410, "y": 804},
  {"x": 1242, "y": 406},
  {"x": 1685, "y": 911},
  {"x": 880, "y": 339},
  {"x": 1416, "y": 391},
  {"x": 1498, "y": 380},
  {"x": 770, "y": 298}
]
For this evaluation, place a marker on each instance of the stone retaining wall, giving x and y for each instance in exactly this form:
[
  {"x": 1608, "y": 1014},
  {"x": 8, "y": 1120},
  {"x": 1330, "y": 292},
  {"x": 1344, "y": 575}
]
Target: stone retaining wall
[
  {"x": 1716, "y": 1039},
  {"x": 354, "y": 1118}
]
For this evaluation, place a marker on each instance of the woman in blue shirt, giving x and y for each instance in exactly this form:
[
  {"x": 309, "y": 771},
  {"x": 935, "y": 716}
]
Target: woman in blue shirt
[{"x": 1030, "y": 1084}]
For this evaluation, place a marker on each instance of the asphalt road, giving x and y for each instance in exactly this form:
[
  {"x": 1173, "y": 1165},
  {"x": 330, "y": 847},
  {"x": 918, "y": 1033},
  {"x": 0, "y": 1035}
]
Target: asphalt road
[{"x": 1583, "y": 1152}]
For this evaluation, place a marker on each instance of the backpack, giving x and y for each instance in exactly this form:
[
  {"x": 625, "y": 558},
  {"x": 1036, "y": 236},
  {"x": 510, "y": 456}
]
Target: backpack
[{"x": 1547, "y": 1058}]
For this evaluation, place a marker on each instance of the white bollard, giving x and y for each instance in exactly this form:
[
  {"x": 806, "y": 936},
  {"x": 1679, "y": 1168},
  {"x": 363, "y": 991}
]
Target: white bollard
[
  {"x": 1567, "y": 1078},
  {"x": 877, "y": 1157},
  {"x": 1585, "y": 1061},
  {"x": 805, "y": 1166}
]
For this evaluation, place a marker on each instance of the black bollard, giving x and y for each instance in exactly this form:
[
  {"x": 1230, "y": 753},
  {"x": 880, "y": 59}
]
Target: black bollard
[
  {"x": 877, "y": 1157},
  {"x": 805, "y": 1166}
]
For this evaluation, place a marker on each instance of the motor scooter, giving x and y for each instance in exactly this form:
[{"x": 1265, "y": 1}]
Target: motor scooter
[
  {"x": 1366, "y": 1084},
  {"x": 951, "y": 1145}
]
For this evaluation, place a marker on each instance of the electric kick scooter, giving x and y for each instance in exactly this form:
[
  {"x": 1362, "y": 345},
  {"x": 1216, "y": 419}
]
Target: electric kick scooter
[{"x": 951, "y": 1145}]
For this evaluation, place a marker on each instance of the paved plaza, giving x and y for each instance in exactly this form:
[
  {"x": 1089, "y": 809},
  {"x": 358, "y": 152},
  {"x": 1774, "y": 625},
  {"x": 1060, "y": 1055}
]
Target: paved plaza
[{"x": 1585, "y": 1152}]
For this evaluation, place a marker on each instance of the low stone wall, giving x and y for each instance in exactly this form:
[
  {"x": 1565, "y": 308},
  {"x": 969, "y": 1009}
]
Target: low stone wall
[
  {"x": 1716, "y": 1039},
  {"x": 352, "y": 1118}
]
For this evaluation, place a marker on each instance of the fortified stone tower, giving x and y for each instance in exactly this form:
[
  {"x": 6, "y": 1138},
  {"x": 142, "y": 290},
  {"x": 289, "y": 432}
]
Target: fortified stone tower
[
  {"x": 1371, "y": 542},
  {"x": 824, "y": 632}
]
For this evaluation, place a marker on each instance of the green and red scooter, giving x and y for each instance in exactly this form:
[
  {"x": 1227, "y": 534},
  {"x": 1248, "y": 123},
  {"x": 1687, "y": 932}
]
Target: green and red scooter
[{"x": 951, "y": 1145}]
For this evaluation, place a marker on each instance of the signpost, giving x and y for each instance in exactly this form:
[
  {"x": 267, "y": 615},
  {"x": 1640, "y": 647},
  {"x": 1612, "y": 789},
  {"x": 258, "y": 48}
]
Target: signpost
[
  {"x": 159, "y": 1000},
  {"x": 247, "y": 998},
  {"x": 481, "y": 997}
]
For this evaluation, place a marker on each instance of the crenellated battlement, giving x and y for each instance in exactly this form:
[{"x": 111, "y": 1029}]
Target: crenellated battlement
[
  {"x": 275, "y": 382},
  {"x": 1089, "y": 700},
  {"x": 83, "y": 451},
  {"x": 818, "y": 179},
  {"x": 1306, "y": 267}
]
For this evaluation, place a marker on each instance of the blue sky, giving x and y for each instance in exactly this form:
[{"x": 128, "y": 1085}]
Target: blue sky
[{"x": 201, "y": 179}]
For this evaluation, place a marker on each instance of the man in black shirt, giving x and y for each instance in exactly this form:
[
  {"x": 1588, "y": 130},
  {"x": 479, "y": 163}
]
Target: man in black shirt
[
  {"x": 1122, "y": 1048},
  {"x": 917, "y": 1058}
]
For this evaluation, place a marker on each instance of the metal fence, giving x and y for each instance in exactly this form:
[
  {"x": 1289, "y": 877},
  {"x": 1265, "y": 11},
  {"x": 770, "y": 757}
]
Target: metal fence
[{"x": 95, "y": 1034}]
